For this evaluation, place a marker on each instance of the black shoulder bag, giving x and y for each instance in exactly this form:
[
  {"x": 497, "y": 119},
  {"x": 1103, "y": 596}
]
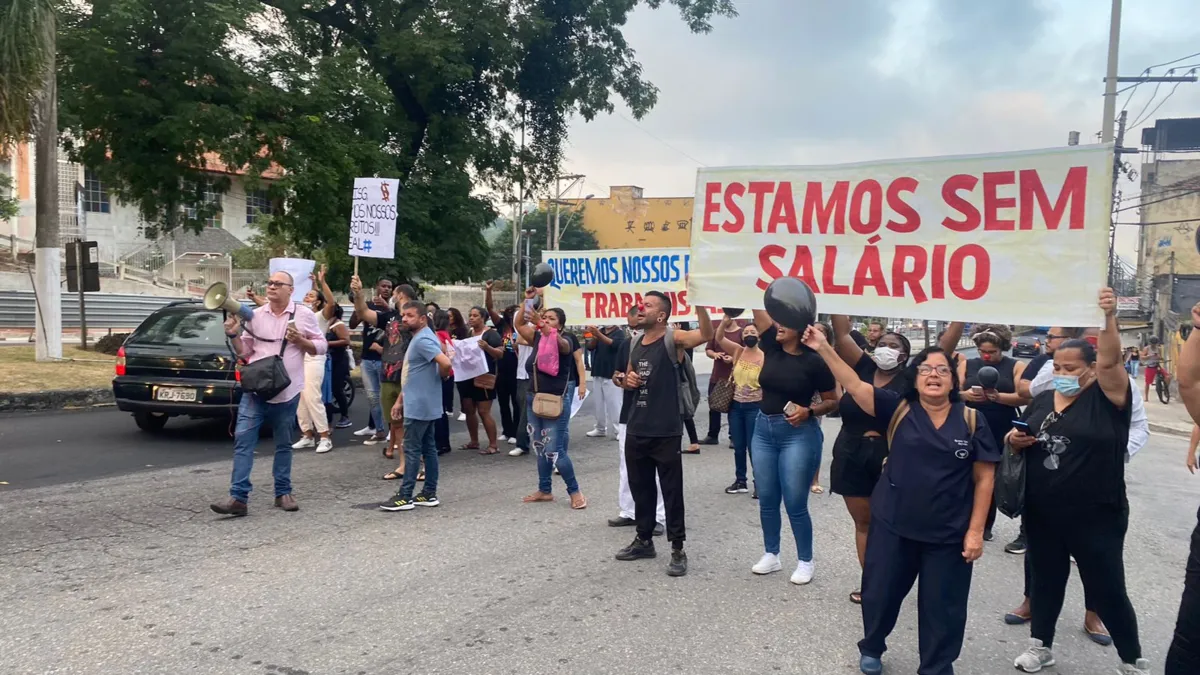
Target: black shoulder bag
[{"x": 267, "y": 377}]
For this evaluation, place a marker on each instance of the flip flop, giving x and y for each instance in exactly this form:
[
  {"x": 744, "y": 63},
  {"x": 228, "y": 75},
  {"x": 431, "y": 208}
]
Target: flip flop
[
  {"x": 489, "y": 451},
  {"x": 469, "y": 446},
  {"x": 421, "y": 476},
  {"x": 392, "y": 475},
  {"x": 580, "y": 503},
  {"x": 817, "y": 490},
  {"x": 856, "y": 597},
  {"x": 537, "y": 497}
]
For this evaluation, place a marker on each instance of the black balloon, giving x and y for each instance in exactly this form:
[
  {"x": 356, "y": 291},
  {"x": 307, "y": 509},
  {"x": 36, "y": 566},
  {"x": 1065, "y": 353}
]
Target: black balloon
[
  {"x": 791, "y": 303},
  {"x": 988, "y": 377},
  {"x": 542, "y": 275},
  {"x": 732, "y": 312}
]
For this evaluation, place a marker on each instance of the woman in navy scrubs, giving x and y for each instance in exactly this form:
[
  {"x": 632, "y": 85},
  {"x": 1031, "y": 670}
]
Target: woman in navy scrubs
[{"x": 928, "y": 509}]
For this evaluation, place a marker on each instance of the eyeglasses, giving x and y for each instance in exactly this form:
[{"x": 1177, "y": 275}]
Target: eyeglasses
[
  {"x": 277, "y": 284},
  {"x": 1052, "y": 336},
  {"x": 929, "y": 370}
]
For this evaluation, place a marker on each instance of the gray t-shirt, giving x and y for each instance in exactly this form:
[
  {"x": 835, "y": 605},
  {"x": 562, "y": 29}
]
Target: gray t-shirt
[{"x": 422, "y": 381}]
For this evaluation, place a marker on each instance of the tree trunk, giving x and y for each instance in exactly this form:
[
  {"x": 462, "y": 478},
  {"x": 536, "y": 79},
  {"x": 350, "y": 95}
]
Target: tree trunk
[{"x": 48, "y": 267}]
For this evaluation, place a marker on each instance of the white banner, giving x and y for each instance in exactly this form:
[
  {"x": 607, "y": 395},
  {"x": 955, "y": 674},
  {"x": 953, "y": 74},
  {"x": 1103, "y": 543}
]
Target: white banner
[
  {"x": 299, "y": 268},
  {"x": 1019, "y": 238},
  {"x": 373, "y": 217},
  {"x": 597, "y": 288}
]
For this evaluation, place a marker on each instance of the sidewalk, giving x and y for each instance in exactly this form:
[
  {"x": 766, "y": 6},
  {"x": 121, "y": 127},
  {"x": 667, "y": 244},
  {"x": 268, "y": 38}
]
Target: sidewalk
[{"x": 1171, "y": 418}]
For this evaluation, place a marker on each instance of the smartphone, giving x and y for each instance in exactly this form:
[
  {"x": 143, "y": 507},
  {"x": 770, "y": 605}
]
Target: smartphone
[
  {"x": 977, "y": 390},
  {"x": 292, "y": 324},
  {"x": 1020, "y": 426},
  {"x": 790, "y": 408}
]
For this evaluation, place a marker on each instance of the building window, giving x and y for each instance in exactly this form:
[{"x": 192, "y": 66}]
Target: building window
[
  {"x": 258, "y": 203},
  {"x": 211, "y": 197},
  {"x": 95, "y": 196}
]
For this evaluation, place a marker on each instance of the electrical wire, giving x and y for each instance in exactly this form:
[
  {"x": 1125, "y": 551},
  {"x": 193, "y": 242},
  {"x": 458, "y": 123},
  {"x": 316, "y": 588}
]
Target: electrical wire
[
  {"x": 1165, "y": 199},
  {"x": 1160, "y": 103},
  {"x": 647, "y": 132}
]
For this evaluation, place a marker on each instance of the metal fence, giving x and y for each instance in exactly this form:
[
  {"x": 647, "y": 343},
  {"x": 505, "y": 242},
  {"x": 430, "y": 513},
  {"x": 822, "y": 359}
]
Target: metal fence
[{"x": 104, "y": 310}]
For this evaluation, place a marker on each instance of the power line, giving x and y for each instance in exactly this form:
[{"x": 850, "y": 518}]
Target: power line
[
  {"x": 1160, "y": 103},
  {"x": 1156, "y": 193},
  {"x": 1156, "y": 201},
  {"x": 647, "y": 132}
]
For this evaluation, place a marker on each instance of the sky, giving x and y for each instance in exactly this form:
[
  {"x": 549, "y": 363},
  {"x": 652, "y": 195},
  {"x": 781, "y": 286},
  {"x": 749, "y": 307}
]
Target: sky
[{"x": 817, "y": 82}]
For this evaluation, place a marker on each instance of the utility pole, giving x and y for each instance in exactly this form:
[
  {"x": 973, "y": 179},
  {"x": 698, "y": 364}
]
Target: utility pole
[
  {"x": 47, "y": 281},
  {"x": 1110, "y": 79},
  {"x": 516, "y": 245},
  {"x": 552, "y": 242},
  {"x": 1112, "y": 226}
]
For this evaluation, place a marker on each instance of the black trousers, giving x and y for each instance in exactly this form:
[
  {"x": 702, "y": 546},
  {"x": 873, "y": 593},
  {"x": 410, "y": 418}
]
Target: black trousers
[
  {"x": 1096, "y": 538},
  {"x": 689, "y": 424},
  {"x": 1184, "y": 656},
  {"x": 506, "y": 398},
  {"x": 892, "y": 564},
  {"x": 340, "y": 370},
  {"x": 1087, "y": 598},
  {"x": 714, "y": 424},
  {"x": 448, "y": 395},
  {"x": 646, "y": 457},
  {"x": 522, "y": 420}
]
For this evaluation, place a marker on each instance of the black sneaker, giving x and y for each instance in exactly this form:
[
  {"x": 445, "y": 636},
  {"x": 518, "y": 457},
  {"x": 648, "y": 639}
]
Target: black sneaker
[
  {"x": 709, "y": 440},
  {"x": 738, "y": 488},
  {"x": 754, "y": 495},
  {"x": 397, "y": 504},
  {"x": 988, "y": 535},
  {"x": 678, "y": 566},
  {"x": 426, "y": 500},
  {"x": 1016, "y": 546},
  {"x": 621, "y": 521},
  {"x": 658, "y": 530},
  {"x": 637, "y": 550}
]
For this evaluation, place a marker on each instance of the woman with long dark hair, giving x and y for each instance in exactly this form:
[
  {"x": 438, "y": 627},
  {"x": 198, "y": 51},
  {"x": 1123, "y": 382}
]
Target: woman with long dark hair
[
  {"x": 1075, "y": 501},
  {"x": 457, "y": 327},
  {"x": 338, "y": 337},
  {"x": 477, "y": 399},
  {"x": 927, "y": 510},
  {"x": 506, "y": 372},
  {"x": 441, "y": 430}
]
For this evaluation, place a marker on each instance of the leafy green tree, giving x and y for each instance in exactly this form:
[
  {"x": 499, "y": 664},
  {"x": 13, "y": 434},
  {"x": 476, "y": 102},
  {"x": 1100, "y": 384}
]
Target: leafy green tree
[
  {"x": 9, "y": 206},
  {"x": 573, "y": 236},
  {"x": 435, "y": 92}
]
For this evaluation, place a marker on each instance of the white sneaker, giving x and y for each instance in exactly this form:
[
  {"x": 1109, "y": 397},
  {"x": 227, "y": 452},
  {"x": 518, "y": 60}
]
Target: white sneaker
[
  {"x": 324, "y": 446},
  {"x": 1142, "y": 667},
  {"x": 305, "y": 442},
  {"x": 767, "y": 564},
  {"x": 501, "y": 438},
  {"x": 596, "y": 433},
  {"x": 1035, "y": 658},
  {"x": 365, "y": 431},
  {"x": 462, "y": 417},
  {"x": 516, "y": 452},
  {"x": 512, "y": 440},
  {"x": 803, "y": 573}
]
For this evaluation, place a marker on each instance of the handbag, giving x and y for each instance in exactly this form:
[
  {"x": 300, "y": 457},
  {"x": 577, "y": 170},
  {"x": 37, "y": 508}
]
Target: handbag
[
  {"x": 548, "y": 406},
  {"x": 720, "y": 398},
  {"x": 267, "y": 377},
  {"x": 1010, "y": 482},
  {"x": 487, "y": 381}
]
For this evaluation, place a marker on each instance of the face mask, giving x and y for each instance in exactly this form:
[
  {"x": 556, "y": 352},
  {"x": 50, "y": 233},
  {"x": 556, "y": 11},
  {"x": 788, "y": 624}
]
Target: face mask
[
  {"x": 750, "y": 341},
  {"x": 887, "y": 358},
  {"x": 1067, "y": 385}
]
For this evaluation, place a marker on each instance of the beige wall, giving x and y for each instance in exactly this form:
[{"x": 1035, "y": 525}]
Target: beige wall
[
  {"x": 1171, "y": 178},
  {"x": 627, "y": 219}
]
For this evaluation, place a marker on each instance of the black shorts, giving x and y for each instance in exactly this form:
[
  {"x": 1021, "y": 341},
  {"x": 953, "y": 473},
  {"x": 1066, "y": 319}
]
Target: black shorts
[
  {"x": 857, "y": 464},
  {"x": 467, "y": 391}
]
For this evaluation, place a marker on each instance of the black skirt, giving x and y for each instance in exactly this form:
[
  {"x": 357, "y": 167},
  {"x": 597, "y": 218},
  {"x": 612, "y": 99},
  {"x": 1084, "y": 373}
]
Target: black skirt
[{"x": 857, "y": 464}]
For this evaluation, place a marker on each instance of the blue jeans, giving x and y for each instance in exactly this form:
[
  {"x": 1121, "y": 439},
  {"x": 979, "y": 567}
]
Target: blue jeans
[
  {"x": 252, "y": 414},
  {"x": 372, "y": 374},
  {"x": 742, "y": 417},
  {"x": 785, "y": 460},
  {"x": 419, "y": 444},
  {"x": 544, "y": 437}
]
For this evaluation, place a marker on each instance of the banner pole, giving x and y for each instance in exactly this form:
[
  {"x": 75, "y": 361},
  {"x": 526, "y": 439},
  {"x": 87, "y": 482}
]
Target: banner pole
[{"x": 355, "y": 265}]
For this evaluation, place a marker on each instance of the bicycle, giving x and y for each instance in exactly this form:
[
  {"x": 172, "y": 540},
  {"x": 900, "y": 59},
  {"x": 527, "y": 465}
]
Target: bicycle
[{"x": 1162, "y": 384}]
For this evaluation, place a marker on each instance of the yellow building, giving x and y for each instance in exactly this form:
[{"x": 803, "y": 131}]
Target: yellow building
[{"x": 626, "y": 219}]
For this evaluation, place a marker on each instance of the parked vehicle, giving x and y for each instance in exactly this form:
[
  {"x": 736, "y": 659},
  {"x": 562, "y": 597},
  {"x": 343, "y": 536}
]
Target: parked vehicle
[
  {"x": 1027, "y": 345},
  {"x": 177, "y": 362}
]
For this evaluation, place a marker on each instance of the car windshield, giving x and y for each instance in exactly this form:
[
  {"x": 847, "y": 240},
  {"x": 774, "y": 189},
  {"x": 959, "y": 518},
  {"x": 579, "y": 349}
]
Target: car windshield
[{"x": 183, "y": 326}]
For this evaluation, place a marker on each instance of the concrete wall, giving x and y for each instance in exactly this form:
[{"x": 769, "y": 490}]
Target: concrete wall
[
  {"x": 626, "y": 219},
  {"x": 1182, "y": 239}
]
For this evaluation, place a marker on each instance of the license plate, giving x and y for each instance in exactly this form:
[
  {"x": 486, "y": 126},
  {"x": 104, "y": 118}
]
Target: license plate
[{"x": 175, "y": 394}]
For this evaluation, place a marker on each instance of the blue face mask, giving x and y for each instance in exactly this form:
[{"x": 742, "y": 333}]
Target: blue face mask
[{"x": 1067, "y": 385}]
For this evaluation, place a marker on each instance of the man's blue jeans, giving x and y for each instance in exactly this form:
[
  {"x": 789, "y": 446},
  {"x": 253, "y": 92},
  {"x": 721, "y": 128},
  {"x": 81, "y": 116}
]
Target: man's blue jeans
[
  {"x": 742, "y": 418},
  {"x": 252, "y": 414},
  {"x": 419, "y": 444},
  {"x": 785, "y": 460},
  {"x": 544, "y": 437},
  {"x": 372, "y": 375}
]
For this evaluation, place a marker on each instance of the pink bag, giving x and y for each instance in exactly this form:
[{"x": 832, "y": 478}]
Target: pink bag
[{"x": 547, "y": 353}]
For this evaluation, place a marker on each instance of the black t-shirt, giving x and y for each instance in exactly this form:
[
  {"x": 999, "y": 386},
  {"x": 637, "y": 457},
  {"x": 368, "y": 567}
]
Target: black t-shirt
[
  {"x": 396, "y": 338},
  {"x": 855, "y": 422},
  {"x": 622, "y": 365},
  {"x": 508, "y": 362},
  {"x": 927, "y": 490},
  {"x": 1079, "y": 459},
  {"x": 370, "y": 332},
  {"x": 1035, "y": 366},
  {"x": 493, "y": 340},
  {"x": 654, "y": 412},
  {"x": 790, "y": 377},
  {"x": 552, "y": 384},
  {"x": 604, "y": 357}
]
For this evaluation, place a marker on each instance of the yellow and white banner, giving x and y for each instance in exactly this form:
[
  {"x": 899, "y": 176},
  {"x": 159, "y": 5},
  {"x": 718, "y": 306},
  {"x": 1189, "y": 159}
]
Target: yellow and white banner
[
  {"x": 597, "y": 288},
  {"x": 1019, "y": 238}
]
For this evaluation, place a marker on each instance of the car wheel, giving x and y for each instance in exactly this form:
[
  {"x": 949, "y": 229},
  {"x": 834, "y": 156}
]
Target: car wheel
[
  {"x": 148, "y": 421},
  {"x": 348, "y": 390}
]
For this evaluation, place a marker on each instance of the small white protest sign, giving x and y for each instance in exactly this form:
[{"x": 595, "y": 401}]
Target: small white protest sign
[{"x": 373, "y": 217}]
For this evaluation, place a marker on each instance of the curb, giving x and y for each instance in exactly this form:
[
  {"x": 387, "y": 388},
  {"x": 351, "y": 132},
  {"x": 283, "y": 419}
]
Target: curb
[
  {"x": 1170, "y": 430},
  {"x": 55, "y": 400}
]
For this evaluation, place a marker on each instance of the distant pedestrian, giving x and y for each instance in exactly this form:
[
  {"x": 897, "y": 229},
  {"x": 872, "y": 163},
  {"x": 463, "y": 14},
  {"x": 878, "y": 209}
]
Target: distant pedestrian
[
  {"x": 605, "y": 344},
  {"x": 281, "y": 328},
  {"x": 372, "y": 366}
]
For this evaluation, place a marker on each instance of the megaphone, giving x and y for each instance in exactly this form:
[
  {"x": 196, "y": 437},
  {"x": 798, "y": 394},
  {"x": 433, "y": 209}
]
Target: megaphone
[{"x": 217, "y": 297}]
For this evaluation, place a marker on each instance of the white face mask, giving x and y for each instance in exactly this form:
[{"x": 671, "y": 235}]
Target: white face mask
[{"x": 887, "y": 358}]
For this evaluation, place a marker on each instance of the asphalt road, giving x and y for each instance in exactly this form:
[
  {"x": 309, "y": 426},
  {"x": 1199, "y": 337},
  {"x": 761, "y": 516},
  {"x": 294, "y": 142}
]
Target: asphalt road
[{"x": 108, "y": 565}]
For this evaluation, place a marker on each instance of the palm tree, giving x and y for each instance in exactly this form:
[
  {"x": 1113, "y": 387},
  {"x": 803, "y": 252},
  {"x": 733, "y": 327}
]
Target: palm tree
[{"x": 29, "y": 106}]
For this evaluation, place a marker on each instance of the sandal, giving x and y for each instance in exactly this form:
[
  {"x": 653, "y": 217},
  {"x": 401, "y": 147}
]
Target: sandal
[
  {"x": 421, "y": 476},
  {"x": 856, "y": 597},
  {"x": 393, "y": 475},
  {"x": 538, "y": 497},
  {"x": 469, "y": 446},
  {"x": 491, "y": 450},
  {"x": 817, "y": 490},
  {"x": 578, "y": 501}
]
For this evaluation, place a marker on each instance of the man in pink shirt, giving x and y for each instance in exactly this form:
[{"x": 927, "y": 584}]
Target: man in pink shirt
[{"x": 268, "y": 333}]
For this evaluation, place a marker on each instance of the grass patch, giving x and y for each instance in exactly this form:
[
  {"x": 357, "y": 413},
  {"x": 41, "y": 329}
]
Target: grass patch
[{"x": 19, "y": 372}]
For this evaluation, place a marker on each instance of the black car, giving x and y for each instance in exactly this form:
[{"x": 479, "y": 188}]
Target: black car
[
  {"x": 1027, "y": 345},
  {"x": 178, "y": 362}
]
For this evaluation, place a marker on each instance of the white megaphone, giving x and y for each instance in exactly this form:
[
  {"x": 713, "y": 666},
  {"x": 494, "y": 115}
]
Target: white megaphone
[{"x": 217, "y": 297}]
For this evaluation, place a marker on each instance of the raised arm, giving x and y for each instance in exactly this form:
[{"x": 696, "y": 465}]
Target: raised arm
[
  {"x": 1189, "y": 369},
  {"x": 521, "y": 320},
  {"x": 863, "y": 393},
  {"x": 489, "y": 305},
  {"x": 690, "y": 339},
  {"x": 762, "y": 320},
  {"x": 847, "y": 348},
  {"x": 327, "y": 293},
  {"x": 952, "y": 336},
  {"x": 1110, "y": 372},
  {"x": 364, "y": 313}
]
